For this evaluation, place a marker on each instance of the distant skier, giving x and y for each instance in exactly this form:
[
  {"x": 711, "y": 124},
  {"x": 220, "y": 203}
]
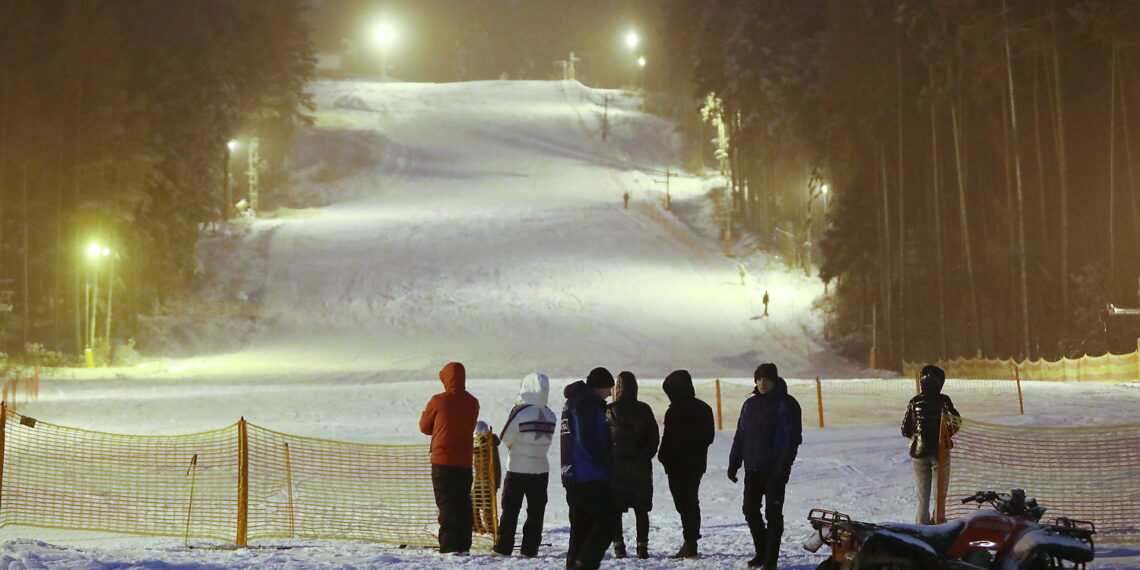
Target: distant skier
[
  {"x": 449, "y": 419},
  {"x": 527, "y": 435},
  {"x": 586, "y": 469},
  {"x": 689, "y": 431},
  {"x": 768, "y": 436},
  {"x": 625, "y": 200},
  {"x": 765, "y": 303},
  {"x": 741, "y": 267},
  {"x": 922, "y": 424},
  {"x": 635, "y": 435}
]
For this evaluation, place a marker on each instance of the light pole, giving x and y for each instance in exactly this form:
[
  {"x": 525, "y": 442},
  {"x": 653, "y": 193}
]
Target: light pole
[
  {"x": 384, "y": 36},
  {"x": 231, "y": 146},
  {"x": 632, "y": 40},
  {"x": 641, "y": 72},
  {"x": 91, "y": 298}
]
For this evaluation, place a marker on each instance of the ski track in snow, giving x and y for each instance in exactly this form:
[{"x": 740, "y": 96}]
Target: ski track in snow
[{"x": 483, "y": 223}]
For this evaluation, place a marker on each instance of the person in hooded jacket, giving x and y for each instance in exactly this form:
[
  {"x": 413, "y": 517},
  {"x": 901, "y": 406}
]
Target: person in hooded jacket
[
  {"x": 449, "y": 419},
  {"x": 768, "y": 436},
  {"x": 527, "y": 435},
  {"x": 586, "y": 467},
  {"x": 634, "y": 431},
  {"x": 922, "y": 424},
  {"x": 689, "y": 431}
]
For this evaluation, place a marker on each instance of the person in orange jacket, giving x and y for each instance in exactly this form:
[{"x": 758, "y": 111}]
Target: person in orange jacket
[{"x": 449, "y": 419}]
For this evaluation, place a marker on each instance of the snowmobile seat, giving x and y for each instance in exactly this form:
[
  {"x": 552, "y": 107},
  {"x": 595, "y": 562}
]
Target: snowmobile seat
[{"x": 940, "y": 536}]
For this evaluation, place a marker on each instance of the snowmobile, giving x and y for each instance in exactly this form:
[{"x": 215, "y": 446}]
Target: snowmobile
[{"x": 1007, "y": 536}]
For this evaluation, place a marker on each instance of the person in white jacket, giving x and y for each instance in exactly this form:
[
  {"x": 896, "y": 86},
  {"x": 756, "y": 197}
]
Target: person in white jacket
[{"x": 526, "y": 434}]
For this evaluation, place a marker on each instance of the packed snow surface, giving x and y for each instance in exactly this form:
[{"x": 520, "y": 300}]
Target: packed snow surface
[{"x": 484, "y": 223}]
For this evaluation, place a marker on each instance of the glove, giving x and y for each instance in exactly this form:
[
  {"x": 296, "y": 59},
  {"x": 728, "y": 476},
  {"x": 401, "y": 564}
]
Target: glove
[{"x": 732, "y": 475}]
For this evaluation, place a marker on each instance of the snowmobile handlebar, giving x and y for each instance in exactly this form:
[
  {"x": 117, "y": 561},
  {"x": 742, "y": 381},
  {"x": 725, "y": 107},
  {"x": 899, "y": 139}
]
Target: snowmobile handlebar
[{"x": 1013, "y": 503}]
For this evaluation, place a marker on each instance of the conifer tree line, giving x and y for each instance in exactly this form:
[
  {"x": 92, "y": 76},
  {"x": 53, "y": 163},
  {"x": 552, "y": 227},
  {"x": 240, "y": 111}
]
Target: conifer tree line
[
  {"x": 114, "y": 119},
  {"x": 981, "y": 155}
]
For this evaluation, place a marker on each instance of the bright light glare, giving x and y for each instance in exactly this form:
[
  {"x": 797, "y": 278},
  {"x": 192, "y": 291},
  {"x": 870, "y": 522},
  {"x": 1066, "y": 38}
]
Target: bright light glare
[
  {"x": 632, "y": 40},
  {"x": 233, "y": 144},
  {"x": 641, "y": 61},
  {"x": 823, "y": 188},
  {"x": 384, "y": 34},
  {"x": 106, "y": 251},
  {"x": 94, "y": 250}
]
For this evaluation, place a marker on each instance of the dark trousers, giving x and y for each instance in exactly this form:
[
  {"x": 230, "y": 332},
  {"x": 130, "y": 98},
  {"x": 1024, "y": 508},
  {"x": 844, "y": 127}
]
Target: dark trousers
[
  {"x": 532, "y": 486},
  {"x": 452, "y": 486},
  {"x": 685, "y": 487},
  {"x": 764, "y": 498},
  {"x": 642, "y": 520},
  {"x": 592, "y": 515}
]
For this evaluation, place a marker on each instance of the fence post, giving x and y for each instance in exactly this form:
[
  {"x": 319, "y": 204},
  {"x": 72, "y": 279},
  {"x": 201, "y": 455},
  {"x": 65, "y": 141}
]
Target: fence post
[
  {"x": 3, "y": 442},
  {"x": 719, "y": 415},
  {"x": 243, "y": 484},
  {"x": 819, "y": 399},
  {"x": 1020, "y": 400},
  {"x": 289, "y": 490}
]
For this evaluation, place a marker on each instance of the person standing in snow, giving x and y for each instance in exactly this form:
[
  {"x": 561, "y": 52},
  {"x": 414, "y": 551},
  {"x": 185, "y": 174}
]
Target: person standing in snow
[
  {"x": 768, "y": 436},
  {"x": 527, "y": 435},
  {"x": 635, "y": 435},
  {"x": 449, "y": 419},
  {"x": 689, "y": 431},
  {"x": 922, "y": 424},
  {"x": 586, "y": 468},
  {"x": 488, "y": 476}
]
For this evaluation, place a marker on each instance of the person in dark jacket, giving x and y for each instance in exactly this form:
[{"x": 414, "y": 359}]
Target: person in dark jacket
[
  {"x": 449, "y": 419},
  {"x": 768, "y": 436},
  {"x": 586, "y": 468},
  {"x": 922, "y": 423},
  {"x": 689, "y": 431},
  {"x": 634, "y": 431}
]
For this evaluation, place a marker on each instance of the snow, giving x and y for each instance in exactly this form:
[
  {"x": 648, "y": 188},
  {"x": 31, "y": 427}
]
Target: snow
[{"x": 483, "y": 223}]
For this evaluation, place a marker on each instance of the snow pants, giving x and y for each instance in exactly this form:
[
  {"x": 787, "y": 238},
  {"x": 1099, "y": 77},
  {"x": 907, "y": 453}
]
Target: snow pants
[
  {"x": 452, "y": 486},
  {"x": 685, "y": 486},
  {"x": 926, "y": 474},
  {"x": 532, "y": 486},
  {"x": 764, "y": 498},
  {"x": 592, "y": 516}
]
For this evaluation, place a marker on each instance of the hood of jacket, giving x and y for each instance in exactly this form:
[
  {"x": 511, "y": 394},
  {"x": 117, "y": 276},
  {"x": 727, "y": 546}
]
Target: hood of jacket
[
  {"x": 931, "y": 386},
  {"x": 578, "y": 390},
  {"x": 535, "y": 389},
  {"x": 780, "y": 389},
  {"x": 678, "y": 385},
  {"x": 454, "y": 377},
  {"x": 625, "y": 389}
]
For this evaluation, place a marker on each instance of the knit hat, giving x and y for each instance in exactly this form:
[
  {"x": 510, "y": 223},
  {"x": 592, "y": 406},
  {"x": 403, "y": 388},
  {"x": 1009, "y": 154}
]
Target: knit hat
[
  {"x": 600, "y": 378},
  {"x": 766, "y": 370}
]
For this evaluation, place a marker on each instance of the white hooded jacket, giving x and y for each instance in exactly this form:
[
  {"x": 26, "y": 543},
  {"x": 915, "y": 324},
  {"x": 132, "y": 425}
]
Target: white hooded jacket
[{"x": 530, "y": 427}]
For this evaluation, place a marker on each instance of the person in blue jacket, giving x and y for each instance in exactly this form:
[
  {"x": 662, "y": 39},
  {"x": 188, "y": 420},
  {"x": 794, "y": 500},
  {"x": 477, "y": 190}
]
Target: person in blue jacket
[
  {"x": 586, "y": 469},
  {"x": 768, "y": 435}
]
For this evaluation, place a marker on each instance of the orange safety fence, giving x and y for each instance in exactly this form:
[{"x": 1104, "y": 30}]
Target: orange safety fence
[
  {"x": 1089, "y": 473},
  {"x": 828, "y": 402},
  {"x": 1105, "y": 368},
  {"x": 237, "y": 484}
]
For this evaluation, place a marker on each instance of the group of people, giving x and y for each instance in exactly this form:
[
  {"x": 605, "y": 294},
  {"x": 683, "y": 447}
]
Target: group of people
[{"x": 607, "y": 453}]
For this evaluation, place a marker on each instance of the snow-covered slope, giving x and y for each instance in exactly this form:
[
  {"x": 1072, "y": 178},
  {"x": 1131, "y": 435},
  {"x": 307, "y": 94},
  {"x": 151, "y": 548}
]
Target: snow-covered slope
[{"x": 483, "y": 222}]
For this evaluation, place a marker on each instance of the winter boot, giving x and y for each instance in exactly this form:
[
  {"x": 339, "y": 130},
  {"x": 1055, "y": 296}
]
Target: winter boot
[
  {"x": 642, "y": 549},
  {"x": 757, "y": 562},
  {"x": 688, "y": 550},
  {"x": 619, "y": 548}
]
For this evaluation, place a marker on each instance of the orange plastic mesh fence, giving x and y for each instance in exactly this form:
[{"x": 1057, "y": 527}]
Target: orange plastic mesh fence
[
  {"x": 22, "y": 387},
  {"x": 1104, "y": 368},
  {"x": 192, "y": 485},
  {"x": 847, "y": 402},
  {"x": 1087, "y": 473}
]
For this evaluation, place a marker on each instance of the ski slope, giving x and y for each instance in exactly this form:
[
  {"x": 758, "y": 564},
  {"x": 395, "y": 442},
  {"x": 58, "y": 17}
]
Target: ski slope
[{"x": 483, "y": 223}]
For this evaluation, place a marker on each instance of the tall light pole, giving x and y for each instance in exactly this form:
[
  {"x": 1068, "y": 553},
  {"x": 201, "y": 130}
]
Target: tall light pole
[
  {"x": 91, "y": 296},
  {"x": 383, "y": 37},
  {"x": 641, "y": 72},
  {"x": 632, "y": 40}
]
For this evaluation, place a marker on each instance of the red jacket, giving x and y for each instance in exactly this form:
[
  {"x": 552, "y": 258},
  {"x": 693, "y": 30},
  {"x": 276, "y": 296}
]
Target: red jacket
[{"x": 450, "y": 419}]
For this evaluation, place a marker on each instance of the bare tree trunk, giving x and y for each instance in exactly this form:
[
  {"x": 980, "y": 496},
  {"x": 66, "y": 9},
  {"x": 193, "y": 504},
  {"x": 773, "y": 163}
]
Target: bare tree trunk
[
  {"x": 901, "y": 201},
  {"x": 887, "y": 247},
  {"x": 1112, "y": 172},
  {"x": 937, "y": 200},
  {"x": 963, "y": 220},
  {"x": 1062, "y": 181},
  {"x": 1128, "y": 161},
  {"x": 1020, "y": 196}
]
